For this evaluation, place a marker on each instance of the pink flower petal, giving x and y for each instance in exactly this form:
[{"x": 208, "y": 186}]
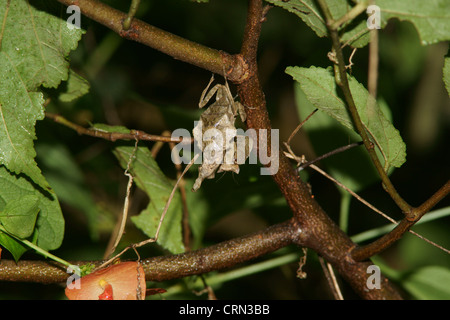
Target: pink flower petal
[{"x": 122, "y": 281}]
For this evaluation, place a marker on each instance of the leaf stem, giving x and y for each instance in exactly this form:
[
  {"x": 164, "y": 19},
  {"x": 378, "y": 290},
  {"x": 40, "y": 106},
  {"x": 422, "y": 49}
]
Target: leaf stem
[
  {"x": 133, "y": 8},
  {"x": 36, "y": 248},
  {"x": 350, "y": 15}
]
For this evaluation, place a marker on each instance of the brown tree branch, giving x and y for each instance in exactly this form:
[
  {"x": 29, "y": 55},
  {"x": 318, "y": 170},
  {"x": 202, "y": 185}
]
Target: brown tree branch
[
  {"x": 113, "y": 136},
  {"x": 223, "y": 255},
  {"x": 177, "y": 47}
]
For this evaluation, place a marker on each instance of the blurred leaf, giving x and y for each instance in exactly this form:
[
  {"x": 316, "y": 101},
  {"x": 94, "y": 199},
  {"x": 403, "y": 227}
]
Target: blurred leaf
[
  {"x": 76, "y": 86},
  {"x": 415, "y": 253},
  {"x": 34, "y": 48},
  {"x": 66, "y": 179},
  {"x": 412, "y": 252},
  {"x": 429, "y": 283},
  {"x": 430, "y": 18},
  {"x": 320, "y": 88},
  {"x": 107, "y": 128},
  {"x": 149, "y": 177},
  {"x": 19, "y": 216},
  {"x": 49, "y": 227},
  {"x": 403, "y": 55},
  {"x": 230, "y": 193},
  {"x": 200, "y": 212},
  {"x": 446, "y": 73}
]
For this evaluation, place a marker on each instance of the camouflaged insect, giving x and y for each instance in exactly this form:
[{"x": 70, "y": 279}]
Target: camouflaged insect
[{"x": 215, "y": 134}]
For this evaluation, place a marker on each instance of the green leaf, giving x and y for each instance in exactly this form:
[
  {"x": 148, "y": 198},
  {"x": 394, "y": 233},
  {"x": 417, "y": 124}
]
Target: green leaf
[
  {"x": 149, "y": 177},
  {"x": 34, "y": 49},
  {"x": 308, "y": 11},
  {"x": 49, "y": 227},
  {"x": 429, "y": 283},
  {"x": 446, "y": 74},
  {"x": 19, "y": 216},
  {"x": 77, "y": 87},
  {"x": 16, "y": 248},
  {"x": 19, "y": 110},
  {"x": 320, "y": 128},
  {"x": 356, "y": 33},
  {"x": 430, "y": 18},
  {"x": 321, "y": 90},
  {"x": 107, "y": 128}
]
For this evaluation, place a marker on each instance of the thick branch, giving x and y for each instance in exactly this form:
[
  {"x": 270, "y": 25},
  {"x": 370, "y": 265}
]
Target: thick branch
[
  {"x": 166, "y": 42},
  {"x": 223, "y": 255}
]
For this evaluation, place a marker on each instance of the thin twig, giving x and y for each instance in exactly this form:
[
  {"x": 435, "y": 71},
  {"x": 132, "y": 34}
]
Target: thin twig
[
  {"x": 375, "y": 247},
  {"x": 350, "y": 15},
  {"x": 329, "y": 154},
  {"x": 290, "y": 154},
  {"x": 441, "y": 193},
  {"x": 113, "y": 136},
  {"x": 342, "y": 82},
  {"x": 185, "y": 221},
  {"x": 123, "y": 220},
  {"x": 182, "y": 187},
  {"x": 206, "y": 289},
  {"x": 331, "y": 278},
  {"x": 301, "y": 263},
  {"x": 166, "y": 208},
  {"x": 300, "y": 125}
]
